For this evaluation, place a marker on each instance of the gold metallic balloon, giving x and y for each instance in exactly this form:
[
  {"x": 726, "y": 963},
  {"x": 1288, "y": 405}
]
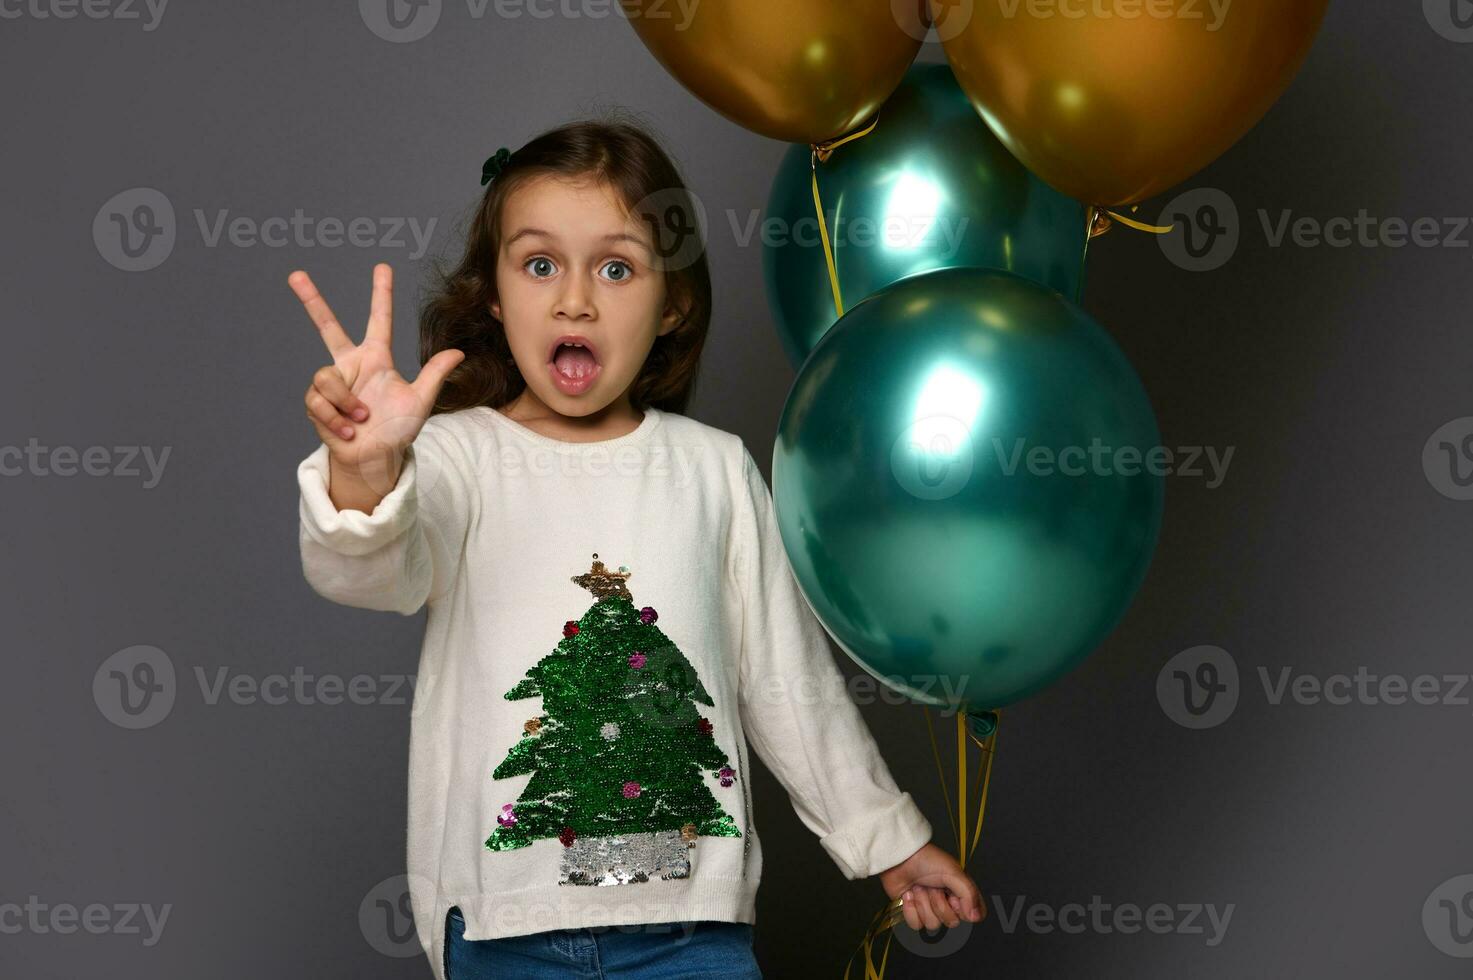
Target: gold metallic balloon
[
  {"x": 803, "y": 71},
  {"x": 1114, "y": 101}
]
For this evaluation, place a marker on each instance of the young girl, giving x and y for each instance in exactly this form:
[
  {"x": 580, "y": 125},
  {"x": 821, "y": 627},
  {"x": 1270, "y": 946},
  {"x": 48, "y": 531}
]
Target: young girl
[{"x": 611, "y": 613}]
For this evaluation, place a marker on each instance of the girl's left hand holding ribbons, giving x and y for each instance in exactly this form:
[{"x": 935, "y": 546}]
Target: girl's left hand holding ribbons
[{"x": 936, "y": 890}]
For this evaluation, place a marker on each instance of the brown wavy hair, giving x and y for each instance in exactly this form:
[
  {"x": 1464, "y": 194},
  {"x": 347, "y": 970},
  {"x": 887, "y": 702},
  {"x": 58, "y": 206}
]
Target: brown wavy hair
[{"x": 457, "y": 312}]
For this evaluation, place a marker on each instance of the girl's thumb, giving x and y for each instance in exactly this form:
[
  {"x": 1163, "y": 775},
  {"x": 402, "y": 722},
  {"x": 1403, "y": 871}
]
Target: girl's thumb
[
  {"x": 965, "y": 893},
  {"x": 432, "y": 376}
]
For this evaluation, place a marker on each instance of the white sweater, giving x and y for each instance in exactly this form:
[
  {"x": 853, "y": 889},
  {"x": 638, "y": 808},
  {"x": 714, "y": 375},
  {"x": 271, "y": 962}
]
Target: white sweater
[{"x": 639, "y": 676}]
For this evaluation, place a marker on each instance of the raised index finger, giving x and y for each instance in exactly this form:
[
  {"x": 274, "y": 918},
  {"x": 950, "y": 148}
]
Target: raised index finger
[{"x": 337, "y": 341}]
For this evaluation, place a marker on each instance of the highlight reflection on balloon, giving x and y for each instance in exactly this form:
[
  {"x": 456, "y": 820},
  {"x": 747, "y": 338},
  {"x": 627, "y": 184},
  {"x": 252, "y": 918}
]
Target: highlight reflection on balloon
[
  {"x": 939, "y": 495},
  {"x": 930, "y": 188}
]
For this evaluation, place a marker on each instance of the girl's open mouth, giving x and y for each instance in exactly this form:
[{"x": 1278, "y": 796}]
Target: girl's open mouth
[{"x": 573, "y": 363}]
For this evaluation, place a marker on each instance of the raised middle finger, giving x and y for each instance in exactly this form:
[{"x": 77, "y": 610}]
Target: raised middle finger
[{"x": 381, "y": 305}]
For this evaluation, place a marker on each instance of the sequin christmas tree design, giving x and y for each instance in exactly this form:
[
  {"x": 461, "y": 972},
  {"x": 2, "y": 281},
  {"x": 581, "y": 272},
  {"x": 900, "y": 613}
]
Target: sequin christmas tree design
[{"x": 617, "y": 757}]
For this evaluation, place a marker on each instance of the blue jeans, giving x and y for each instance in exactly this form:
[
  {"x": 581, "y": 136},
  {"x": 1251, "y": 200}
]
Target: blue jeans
[{"x": 701, "y": 950}]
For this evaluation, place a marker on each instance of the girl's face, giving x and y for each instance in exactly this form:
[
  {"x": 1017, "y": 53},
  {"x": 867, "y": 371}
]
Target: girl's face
[{"x": 575, "y": 268}]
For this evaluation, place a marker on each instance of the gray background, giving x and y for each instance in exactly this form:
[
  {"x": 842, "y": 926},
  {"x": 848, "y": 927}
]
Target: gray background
[{"x": 264, "y": 828}]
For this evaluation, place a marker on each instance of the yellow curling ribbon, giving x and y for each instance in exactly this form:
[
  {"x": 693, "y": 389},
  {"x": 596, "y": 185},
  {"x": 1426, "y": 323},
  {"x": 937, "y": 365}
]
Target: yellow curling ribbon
[
  {"x": 821, "y": 153},
  {"x": 1099, "y": 223},
  {"x": 891, "y": 914}
]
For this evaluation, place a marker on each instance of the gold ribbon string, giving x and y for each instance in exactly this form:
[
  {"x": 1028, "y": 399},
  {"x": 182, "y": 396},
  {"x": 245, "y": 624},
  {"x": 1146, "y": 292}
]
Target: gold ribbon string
[
  {"x": 821, "y": 154},
  {"x": 986, "y": 746},
  {"x": 941, "y": 775},
  {"x": 1102, "y": 220},
  {"x": 891, "y": 915},
  {"x": 883, "y": 922},
  {"x": 984, "y": 768}
]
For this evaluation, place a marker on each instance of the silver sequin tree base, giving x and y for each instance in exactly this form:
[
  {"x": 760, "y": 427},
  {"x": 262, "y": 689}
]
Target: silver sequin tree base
[{"x": 626, "y": 858}]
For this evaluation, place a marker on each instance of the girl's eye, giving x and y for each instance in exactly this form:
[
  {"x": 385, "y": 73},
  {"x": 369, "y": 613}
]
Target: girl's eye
[
  {"x": 540, "y": 267},
  {"x": 619, "y": 264}
]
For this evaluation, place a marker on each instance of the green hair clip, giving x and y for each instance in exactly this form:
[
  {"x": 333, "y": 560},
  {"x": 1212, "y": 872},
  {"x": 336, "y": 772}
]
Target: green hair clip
[{"x": 494, "y": 165}]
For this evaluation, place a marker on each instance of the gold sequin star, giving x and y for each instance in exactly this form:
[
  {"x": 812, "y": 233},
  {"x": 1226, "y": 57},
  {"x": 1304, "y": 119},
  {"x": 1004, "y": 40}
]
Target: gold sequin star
[{"x": 602, "y": 582}]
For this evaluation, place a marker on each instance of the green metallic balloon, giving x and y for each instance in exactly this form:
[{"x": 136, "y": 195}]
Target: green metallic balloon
[
  {"x": 965, "y": 486},
  {"x": 930, "y": 188}
]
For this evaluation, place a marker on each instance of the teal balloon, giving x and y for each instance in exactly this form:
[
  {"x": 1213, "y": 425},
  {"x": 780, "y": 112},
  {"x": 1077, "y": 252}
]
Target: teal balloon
[
  {"x": 965, "y": 486},
  {"x": 930, "y": 188}
]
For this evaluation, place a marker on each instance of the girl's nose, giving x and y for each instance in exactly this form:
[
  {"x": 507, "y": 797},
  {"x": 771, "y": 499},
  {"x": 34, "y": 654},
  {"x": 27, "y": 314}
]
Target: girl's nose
[{"x": 575, "y": 300}]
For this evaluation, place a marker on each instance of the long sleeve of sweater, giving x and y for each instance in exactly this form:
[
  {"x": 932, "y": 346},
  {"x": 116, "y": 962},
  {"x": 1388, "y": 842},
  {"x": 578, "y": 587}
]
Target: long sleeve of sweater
[
  {"x": 797, "y": 713},
  {"x": 408, "y": 550}
]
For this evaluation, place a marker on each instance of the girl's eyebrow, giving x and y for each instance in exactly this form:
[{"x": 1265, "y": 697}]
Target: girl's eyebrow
[{"x": 618, "y": 236}]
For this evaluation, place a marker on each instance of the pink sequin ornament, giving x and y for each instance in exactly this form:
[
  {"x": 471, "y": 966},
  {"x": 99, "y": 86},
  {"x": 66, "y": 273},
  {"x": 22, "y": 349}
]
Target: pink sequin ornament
[
  {"x": 631, "y": 790},
  {"x": 727, "y": 774},
  {"x": 637, "y": 660},
  {"x": 648, "y": 615},
  {"x": 508, "y": 816}
]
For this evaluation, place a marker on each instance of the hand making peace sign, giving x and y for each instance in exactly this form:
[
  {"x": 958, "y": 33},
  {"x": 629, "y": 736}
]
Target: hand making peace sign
[{"x": 360, "y": 406}]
